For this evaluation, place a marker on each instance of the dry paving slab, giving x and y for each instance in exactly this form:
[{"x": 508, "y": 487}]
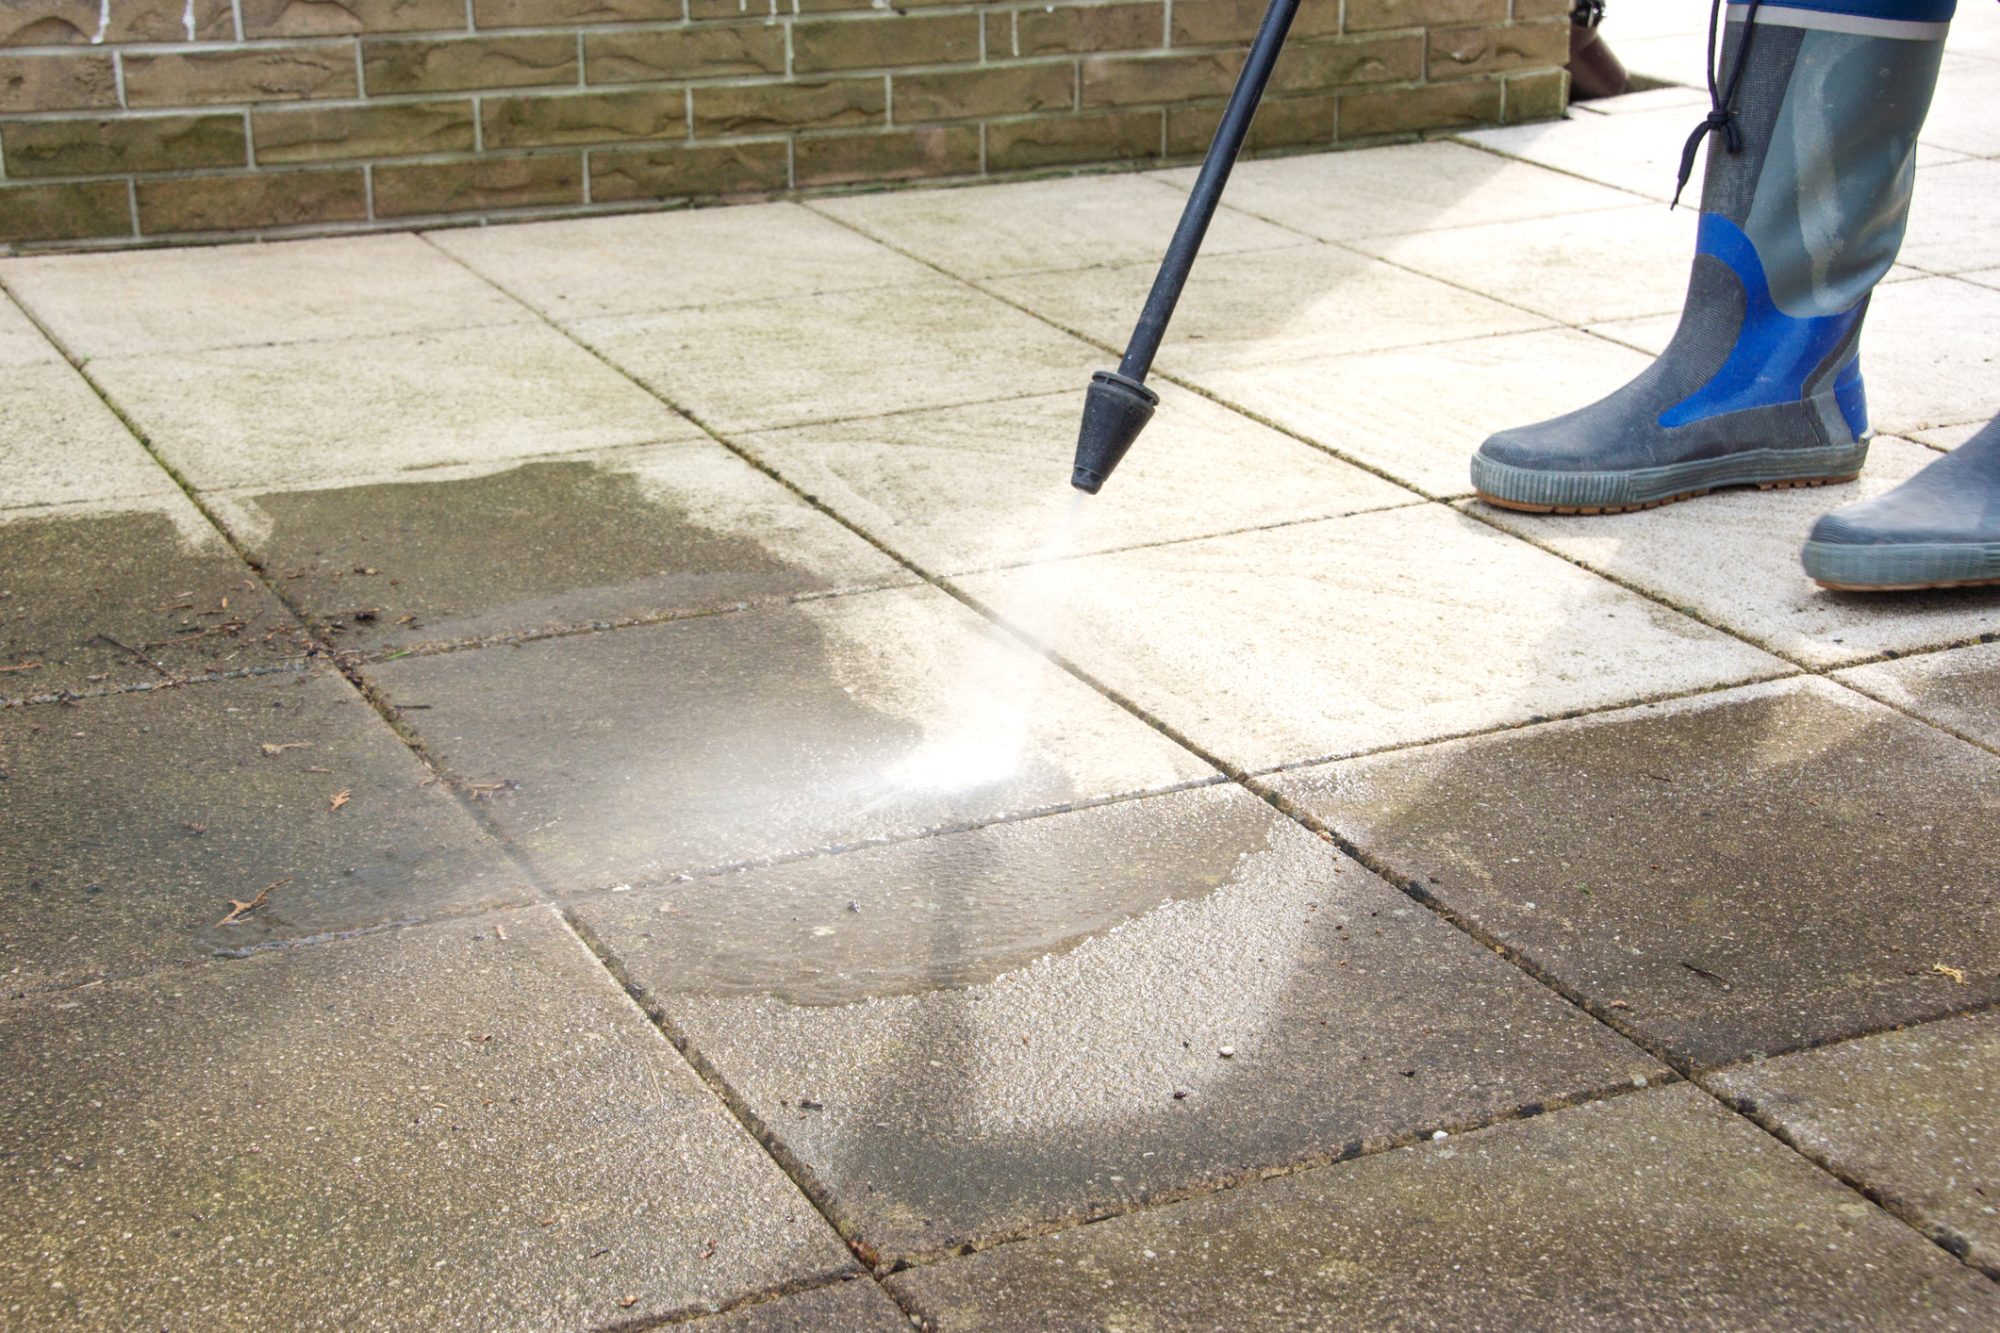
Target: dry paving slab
[
  {"x": 1912, "y": 1117},
  {"x": 130, "y": 823},
  {"x": 986, "y": 1033},
  {"x": 1957, "y": 690},
  {"x": 513, "y": 549},
  {"x": 1735, "y": 874},
  {"x": 464, "y": 1126},
  {"x": 855, "y": 1306},
  {"x": 1655, "y": 1210},
  {"x": 641, "y": 753},
  {"x": 60, "y": 445}
]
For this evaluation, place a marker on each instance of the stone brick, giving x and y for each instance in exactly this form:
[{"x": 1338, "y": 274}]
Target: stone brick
[
  {"x": 1128, "y": 80},
  {"x": 1281, "y": 122},
  {"x": 128, "y": 143},
  {"x": 772, "y": 107},
  {"x": 619, "y": 175},
  {"x": 1017, "y": 145},
  {"x": 579, "y": 118},
  {"x": 1005, "y": 90},
  {"x": 1542, "y": 9},
  {"x": 1234, "y": 22},
  {"x": 1371, "y": 15},
  {"x": 1536, "y": 96},
  {"x": 1365, "y": 115},
  {"x": 255, "y": 74},
  {"x": 266, "y": 199},
  {"x": 416, "y": 189},
  {"x": 57, "y": 83},
  {"x": 75, "y": 22},
  {"x": 708, "y": 51},
  {"x": 1457, "y": 53},
  {"x": 553, "y": 13},
  {"x": 64, "y": 212},
  {"x": 337, "y": 18},
  {"x": 466, "y": 63},
  {"x": 1077, "y": 28},
  {"x": 944, "y": 150},
  {"x": 391, "y": 129},
  {"x": 877, "y": 43},
  {"x": 1324, "y": 66}
]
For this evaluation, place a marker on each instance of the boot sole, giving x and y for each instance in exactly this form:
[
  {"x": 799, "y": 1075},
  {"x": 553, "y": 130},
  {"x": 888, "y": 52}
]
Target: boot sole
[
  {"x": 1536, "y": 492},
  {"x": 1902, "y": 566}
]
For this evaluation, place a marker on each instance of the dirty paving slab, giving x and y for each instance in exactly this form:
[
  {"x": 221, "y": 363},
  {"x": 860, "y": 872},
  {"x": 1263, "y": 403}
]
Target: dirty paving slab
[
  {"x": 466, "y": 1125},
  {"x": 1653, "y": 1210},
  {"x": 1743, "y": 873},
  {"x": 644, "y": 752},
  {"x": 130, "y": 824},
  {"x": 1957, "y": 690},
  {"x": 983, "y": 1033},
  {"x": 853, "y": 1306}
]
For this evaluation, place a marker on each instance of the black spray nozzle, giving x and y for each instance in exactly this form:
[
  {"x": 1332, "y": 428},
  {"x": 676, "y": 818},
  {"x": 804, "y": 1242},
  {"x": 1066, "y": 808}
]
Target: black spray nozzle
[{"x": 1115, "y": 409}]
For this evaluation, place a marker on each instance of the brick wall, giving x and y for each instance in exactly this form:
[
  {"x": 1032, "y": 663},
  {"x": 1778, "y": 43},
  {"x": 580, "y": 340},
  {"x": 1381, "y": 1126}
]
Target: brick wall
[{"x": 185, "y": 119}]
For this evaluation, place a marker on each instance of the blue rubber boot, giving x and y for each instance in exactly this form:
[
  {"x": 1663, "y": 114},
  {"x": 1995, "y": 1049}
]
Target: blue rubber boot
[
  {"x": 1939, "y": 529},
  {"x": 1812, "y": 155}
]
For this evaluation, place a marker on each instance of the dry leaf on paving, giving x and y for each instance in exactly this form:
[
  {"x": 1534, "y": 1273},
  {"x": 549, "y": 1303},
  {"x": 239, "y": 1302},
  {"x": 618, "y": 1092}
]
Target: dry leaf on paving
[
  {"x": 1957, "y": 974},
  {"x": 340, "y": 798},
  {"x": 239, "y": 910},
  {"x": 280, "y": 747}
]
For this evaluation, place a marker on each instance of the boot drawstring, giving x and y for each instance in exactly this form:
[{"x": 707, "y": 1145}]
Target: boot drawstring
[{"x": 1722, "y": 100}]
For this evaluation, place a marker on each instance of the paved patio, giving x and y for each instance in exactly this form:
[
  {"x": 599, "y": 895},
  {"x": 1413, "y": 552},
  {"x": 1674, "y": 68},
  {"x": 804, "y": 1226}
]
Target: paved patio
[{"x": 591, "y": 774}]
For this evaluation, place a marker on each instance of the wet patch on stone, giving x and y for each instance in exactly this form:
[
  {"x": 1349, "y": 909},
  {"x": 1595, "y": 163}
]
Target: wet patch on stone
[
  {"x": 1750, "y": 872},
  {"x": 972, "y": 1035}
]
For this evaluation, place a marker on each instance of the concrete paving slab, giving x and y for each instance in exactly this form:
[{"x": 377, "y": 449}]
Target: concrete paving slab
[
  {"x": 1943, "y": 438},
  {"x": 972, "y": 487},
  {"x": 1961, "y": 115},
  {"x": 1732, "y": 559},
  {"x": 136, "y": 820},
  {"x": 1656, "y": 1210},
  {"x": 1638, "y": 152},
  {"x": 1975, "y": 33},
  {"x": 448, "y": 555},
  {"x": 763, "y": 364},
  {"x": 104, "y": 596},
  {"x": 306, "y": 413},
  {"x": 59, "y": 443},
  {"x": 1953, "y": 230},
  {"x": 21, "y": 343},
  {"x": 1585, "y": 269},
  {"x": 191, "y": 298},
  {"x": 1667, "y": 97},
  {"x": 1677, "y": 58},
  {"x": 1665, "y": 18},
  {"x": 1409, "y": 187},
  {"x": 1957, "y": 690},
  {"x": 1418, "y": 413},
  {"x": 1067, "y": 223},
  {"x": 667, "y": 261},
  {"x": 847, "y": 1307},
  {"x": 1343, "y": 636},
  {"x": 731, "y": 738},
  {"x": 1749, "y": 872},
  {"x": 1250, "y": 310},
  {"x": 1910, "y": 1116},
  {"x": 467, "y": 1126},
  {"x": 985, "y": 1033}
]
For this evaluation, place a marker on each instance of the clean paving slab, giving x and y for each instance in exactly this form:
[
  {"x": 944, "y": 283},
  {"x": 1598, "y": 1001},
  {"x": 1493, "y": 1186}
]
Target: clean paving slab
[
  {"x": 193, "y": 298},
  {"x": 968, "y": 488},
  {"x": 105, "y": 595},
  {"x": 1734, "y": 874},
  {"x": 1732, "y": 559},
  {"x": 1404, "y": 188},
  {"x": 643, "y": 752},
  {"x": 1654, "y": 1210},
  {"x": 1248, "y": 310},
  {"x": 1912, "y": 1117},
  {"x": 1957, "y": 690},
  {"x": 137, "y": 820},
  {"x": 304, "y": 413},
  {"x": 1418, "y": 413},
  {"x": 1337, "y": 637},
  {"x": 452, "y": 554},
  {"x": 1952, "y": 225},
  {"x": 854, "y": 1306},
  {"x": 1070, "y": 222},
  {"x": 1678, "y": 59},
  {"x": 987, "y": 1033},
  {"x": 757, "y": 365},
  {"x": 60, "y": 445},
  {"x": 1667, "y": 97},
  {"x": 1961, "y": 114},
  {"x": 21, "y": 343},
  {"x": 1639, "y": 152},
  {"x": 588, "y": 267},
  {"x": 465, "y": 1126}
]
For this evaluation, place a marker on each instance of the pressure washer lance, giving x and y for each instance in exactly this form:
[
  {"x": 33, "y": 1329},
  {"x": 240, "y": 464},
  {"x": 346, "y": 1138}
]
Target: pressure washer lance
[{"x": 1118, "y": 404}]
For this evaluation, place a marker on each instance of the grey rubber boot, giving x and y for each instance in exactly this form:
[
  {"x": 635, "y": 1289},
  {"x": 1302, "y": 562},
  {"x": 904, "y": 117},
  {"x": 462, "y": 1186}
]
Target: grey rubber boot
[
  {"x": 1812, "y": 154},
  {"x": 1939, "y": 529}
]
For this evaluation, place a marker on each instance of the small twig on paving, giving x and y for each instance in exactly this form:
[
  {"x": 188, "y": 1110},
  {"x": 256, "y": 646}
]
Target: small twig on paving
[
  {"x": 126, "y": 647},
  {"x": 239, "y": 910},
  {"x": 24, "y": 666}
]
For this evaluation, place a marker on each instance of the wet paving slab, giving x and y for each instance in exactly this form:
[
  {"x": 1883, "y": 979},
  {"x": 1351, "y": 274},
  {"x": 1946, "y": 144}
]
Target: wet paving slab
[
  {"x": 1957, "y": 690},
  {"x": 1745, "y": 873},
  {"x": 130, "y": 824},
  {"x": 464, "y": 1126},
  {"x": 1653, "y": 1210},
  {"x": 981, "y": 1034},
  {"x": 470, "y": 553},
  {"x": 856, "y": 1306},
  {"x": 639, "y": 753}
]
